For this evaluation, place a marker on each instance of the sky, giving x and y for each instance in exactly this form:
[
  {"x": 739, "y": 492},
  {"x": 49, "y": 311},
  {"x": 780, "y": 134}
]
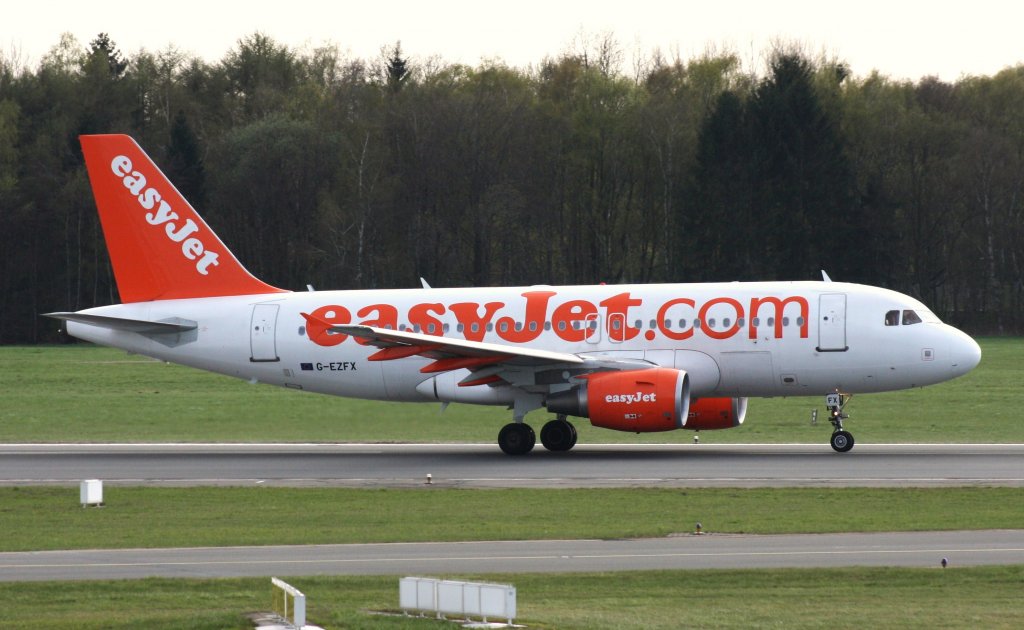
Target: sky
[{"x": 904, "y": 39}]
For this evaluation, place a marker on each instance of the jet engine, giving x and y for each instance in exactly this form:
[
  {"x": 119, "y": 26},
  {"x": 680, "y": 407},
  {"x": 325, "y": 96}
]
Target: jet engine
[
  {"x": 716, "y": 413},
  {"x": 640, "y": 401}
]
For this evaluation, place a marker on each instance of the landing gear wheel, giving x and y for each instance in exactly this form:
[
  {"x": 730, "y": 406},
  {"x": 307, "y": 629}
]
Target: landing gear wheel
[
  {"x": 516, "y": 438},
  {"x": 841, "y": 441},
  {"x": 558, "y": 435}
]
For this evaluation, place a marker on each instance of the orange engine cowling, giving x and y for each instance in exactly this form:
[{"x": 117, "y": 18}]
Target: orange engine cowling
[
  {"x": 640, "y": 401},
  {"x": 716, "y": 413}
]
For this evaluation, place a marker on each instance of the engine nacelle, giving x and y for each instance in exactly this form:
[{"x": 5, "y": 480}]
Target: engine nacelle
[
  {"x": 716, "y": 413},
  {"x": 639, "y": 401}
]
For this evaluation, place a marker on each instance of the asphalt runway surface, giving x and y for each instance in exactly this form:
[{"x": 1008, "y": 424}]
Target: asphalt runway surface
[
  {"x": 908, "y": 549},
  {"x": 483, "y": 465}
]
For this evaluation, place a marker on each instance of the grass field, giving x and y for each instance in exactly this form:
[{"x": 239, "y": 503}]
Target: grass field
[
  {"x": 83, "y": 393},
  {"x": 981, "y": 597},
  {"x": 89, "y": 394},
  {"x": 40, "y": 518}
]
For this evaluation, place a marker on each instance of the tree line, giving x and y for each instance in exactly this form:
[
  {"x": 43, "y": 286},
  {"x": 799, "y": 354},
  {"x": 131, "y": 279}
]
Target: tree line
[{"x": 317, "y": 168}]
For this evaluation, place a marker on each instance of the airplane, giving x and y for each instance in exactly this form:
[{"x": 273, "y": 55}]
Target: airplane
[{"x": 635, "y": 358}]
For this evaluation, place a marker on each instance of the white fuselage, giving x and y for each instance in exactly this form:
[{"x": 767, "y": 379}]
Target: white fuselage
[{"x": 733, "y": 339}]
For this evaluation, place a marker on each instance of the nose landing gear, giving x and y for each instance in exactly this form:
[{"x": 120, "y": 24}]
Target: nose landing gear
[{"x": 841, "y": 440}]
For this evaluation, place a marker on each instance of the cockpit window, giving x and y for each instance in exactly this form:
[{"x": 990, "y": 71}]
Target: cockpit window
[
  {"x": 910, "y": 317},
  {"x": 892, "y": 318}
]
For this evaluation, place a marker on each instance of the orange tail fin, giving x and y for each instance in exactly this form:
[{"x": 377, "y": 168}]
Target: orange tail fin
[{"x": 160, "y": 247}]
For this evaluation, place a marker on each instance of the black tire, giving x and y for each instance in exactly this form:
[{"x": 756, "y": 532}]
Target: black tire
[
  {"x": 841, "y": 441},
  {"x": 516, "y": 438},
  {"x": 558, "y": 436}
]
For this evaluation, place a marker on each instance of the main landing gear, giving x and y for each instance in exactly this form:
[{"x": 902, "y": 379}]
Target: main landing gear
[
  {"x": 841, "y": 440},
  {"x": 558, "y": 435},
  {"x": 518, "y": 438}
]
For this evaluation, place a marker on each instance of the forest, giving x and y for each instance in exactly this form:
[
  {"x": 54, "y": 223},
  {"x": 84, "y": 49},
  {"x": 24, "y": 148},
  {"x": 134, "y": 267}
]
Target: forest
[{"x": 321, "y": 169}]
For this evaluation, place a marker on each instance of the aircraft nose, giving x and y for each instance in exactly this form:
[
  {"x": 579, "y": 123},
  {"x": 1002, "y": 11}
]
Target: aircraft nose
[{"x": 964, "y": 351}]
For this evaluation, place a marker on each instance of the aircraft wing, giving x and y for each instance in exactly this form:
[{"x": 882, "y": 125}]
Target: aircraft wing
[
  {"x": 489, "y": 362},
  {"x": 397, "y": 344}
]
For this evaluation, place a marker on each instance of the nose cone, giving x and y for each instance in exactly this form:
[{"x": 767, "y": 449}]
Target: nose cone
[{"x": 964, "y": 352}]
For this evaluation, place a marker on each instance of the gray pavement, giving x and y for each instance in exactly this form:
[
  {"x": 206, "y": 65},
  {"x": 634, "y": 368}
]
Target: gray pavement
[
  {"x": 908, "y": 549},
  {"x": 483, "y": 465}
]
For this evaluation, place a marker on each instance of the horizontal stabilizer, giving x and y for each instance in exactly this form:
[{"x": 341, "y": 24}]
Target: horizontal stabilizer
[{"x": 141, "y": 326}]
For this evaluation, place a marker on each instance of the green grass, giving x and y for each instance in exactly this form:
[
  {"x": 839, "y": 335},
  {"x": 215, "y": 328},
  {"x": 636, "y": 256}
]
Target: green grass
[
  {"x": 41, "y": 517},
  {"x": 974, "y": 597},
  {"x": 87, "y": 394}
]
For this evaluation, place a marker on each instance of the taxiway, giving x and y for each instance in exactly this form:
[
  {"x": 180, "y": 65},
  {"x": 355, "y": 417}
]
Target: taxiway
[{"x": 909, "y": 549}]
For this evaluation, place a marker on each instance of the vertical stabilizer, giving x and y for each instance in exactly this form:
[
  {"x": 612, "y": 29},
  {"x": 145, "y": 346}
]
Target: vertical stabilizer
[{"x": 160, "y": 247}]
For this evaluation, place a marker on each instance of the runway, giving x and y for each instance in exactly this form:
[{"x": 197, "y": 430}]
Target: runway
[
  {"x": 908, "y": 549},
  {"x": 483, "y": 465}
]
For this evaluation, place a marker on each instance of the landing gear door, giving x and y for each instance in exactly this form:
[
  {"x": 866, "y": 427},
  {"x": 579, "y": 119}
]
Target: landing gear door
[
  {"x": 262, "y": 333},
  {"x": 832, "y": 323}
]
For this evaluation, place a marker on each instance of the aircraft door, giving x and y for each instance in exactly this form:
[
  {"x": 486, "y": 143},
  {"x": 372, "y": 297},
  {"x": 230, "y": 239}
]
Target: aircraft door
[
  {"x": 262, "y": 340},
  {"x": 832, "y": 323}
]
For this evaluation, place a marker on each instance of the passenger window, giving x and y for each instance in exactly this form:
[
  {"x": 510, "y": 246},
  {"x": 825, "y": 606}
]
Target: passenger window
[
  {"x": 668, "y": 323},
  {"x": 910, "y": 317},
  {"x": 785, "y": 321},
  {"x": 639, "y": 324},
  {"x": 711, "y": 322},
  {"x": 799, "y": 321},
  {"x": 756, "y": 322},
  {"x": 533, "y": 326},
  {"x": 892, "y": 318},
  {"x": 682, "y": 323},
  {"x": 725, "y": 322},
  {"x": 654, "y": 323},
  {"x": 740, "y": 322}
]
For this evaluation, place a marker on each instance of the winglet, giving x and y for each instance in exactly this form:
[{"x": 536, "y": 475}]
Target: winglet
[
  {"x": 159, "y": 246},
  {"x": 824, "y": 276}
]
